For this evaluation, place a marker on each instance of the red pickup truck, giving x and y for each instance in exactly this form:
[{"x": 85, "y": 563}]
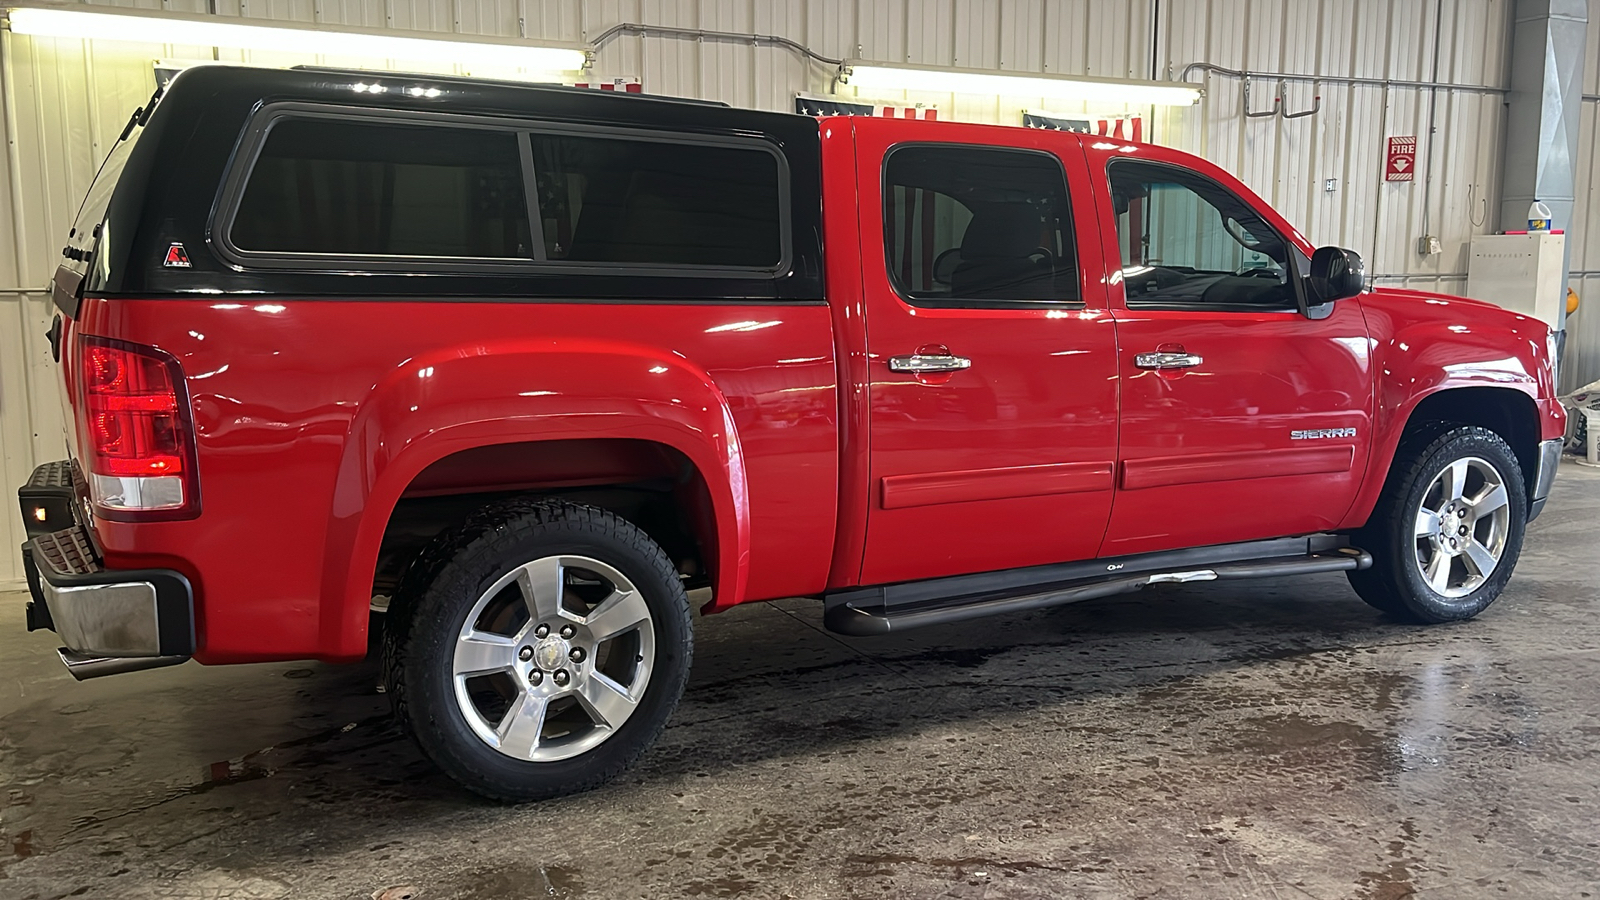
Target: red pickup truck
[{"x": 522, "y": 365}]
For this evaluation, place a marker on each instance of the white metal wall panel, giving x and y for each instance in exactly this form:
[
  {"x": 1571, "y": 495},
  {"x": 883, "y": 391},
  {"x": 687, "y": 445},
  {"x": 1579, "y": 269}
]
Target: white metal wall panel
[
  {"x": 1583, "y": 327},
  {"x": 71, "y": 100},
  {"x": 1288, "y": 160}
]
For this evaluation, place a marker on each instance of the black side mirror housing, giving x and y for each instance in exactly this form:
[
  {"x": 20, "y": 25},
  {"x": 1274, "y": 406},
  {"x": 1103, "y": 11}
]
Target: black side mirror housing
[{"x": 1336, "y": 273}]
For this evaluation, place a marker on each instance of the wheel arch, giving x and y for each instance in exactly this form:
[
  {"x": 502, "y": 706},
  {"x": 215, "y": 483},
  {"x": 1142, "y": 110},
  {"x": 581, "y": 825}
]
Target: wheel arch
[
  {"x": 437, "y": 417},
  {"x": 1507, "y": 411},
  {"x": 651, "y": 485}
]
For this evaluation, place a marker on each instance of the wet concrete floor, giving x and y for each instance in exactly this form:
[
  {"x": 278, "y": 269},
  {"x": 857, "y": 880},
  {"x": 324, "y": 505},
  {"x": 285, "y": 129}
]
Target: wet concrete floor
[{"x": 1263, "y": 739}]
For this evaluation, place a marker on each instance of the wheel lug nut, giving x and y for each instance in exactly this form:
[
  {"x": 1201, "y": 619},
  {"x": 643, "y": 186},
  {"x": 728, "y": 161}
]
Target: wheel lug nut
[
  {"x": 525, "y": 654},
  {"x": 535, "y": 677},
  {"x": 576, "y": 654},
  {"x": 1462, "y": 513},
  {"x": 567, "y": 631},
  {"x": 542, "y": 631},
  {"x": 562, "y": 677}
]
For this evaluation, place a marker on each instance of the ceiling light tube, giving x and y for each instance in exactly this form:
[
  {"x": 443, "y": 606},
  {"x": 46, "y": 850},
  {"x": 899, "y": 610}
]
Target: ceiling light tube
[
  {"x": 873, "y": 76},
  {"x": 259, "y": 34}
]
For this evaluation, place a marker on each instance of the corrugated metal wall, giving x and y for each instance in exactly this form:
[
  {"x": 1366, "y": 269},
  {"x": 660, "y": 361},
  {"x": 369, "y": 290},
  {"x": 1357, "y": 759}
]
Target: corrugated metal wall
[
  {"x": 71, "y": 99},
  {"x": 1583, "y": 327}
]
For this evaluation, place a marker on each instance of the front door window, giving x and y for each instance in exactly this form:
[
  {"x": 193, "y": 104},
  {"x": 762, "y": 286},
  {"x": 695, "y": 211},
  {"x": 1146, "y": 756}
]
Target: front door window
[{"x": 1188, "y": 243}]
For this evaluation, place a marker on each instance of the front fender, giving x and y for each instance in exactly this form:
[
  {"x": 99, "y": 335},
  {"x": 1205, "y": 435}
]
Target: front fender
[
  {"x": 487, "y": 393},
  {"x": 1442, "y": 344}
]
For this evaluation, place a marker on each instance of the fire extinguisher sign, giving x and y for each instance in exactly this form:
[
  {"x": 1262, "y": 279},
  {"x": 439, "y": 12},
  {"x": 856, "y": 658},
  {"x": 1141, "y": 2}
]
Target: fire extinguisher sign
[{"x": 1401, "y": 160}]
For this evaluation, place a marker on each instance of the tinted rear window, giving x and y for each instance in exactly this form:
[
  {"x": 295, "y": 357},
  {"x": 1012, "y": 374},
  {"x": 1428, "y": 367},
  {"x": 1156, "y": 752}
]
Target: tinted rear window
[
  {"x": 360, "y": 188},
  {"x": 622, "y": 200}
]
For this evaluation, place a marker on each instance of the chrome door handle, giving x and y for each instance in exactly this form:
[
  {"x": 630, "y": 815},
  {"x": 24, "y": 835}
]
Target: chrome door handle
[
  {"x": 923, "y": 363},
  {"x": 1165, "y": 360}
]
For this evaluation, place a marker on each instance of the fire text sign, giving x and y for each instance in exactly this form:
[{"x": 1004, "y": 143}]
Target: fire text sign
[{"x": 1401, "y": 160}]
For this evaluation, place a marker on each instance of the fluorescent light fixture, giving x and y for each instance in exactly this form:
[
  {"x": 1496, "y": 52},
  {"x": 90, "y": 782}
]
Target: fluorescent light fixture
[
  {"x": 870, "y": 76},
  {"x": 259, "y": 34}
]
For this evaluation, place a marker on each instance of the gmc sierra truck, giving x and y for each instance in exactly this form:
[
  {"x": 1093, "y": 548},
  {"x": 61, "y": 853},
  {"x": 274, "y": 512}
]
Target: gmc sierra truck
[{"x": 523, "y": 365}]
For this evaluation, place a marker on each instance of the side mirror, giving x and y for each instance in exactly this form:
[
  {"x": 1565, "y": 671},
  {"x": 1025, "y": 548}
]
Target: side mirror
[{"x": 1336, "y": 273}]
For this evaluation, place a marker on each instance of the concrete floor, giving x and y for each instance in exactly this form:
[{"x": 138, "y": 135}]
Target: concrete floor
[{"x": 1261, "y": 739}]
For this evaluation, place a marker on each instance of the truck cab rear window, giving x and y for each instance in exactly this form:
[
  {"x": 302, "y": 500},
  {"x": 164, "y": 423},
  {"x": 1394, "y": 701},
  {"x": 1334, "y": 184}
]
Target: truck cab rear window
[
  {"x": 382, "y": 189},
  {"x": 613, "y": 199}
]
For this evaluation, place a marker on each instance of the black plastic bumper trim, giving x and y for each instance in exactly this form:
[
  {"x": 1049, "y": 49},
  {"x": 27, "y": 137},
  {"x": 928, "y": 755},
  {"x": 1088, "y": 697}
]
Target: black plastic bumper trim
[{"x": 49, "y": 490}]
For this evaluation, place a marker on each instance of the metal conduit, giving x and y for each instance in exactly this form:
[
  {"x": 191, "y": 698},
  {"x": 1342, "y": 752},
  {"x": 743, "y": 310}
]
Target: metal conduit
[
  {"x": 702, "y": 34},
  {"x": 614, "y": 31},
  {"x": 8, "y": 98},
  {"x": 1338, "y": 79}
]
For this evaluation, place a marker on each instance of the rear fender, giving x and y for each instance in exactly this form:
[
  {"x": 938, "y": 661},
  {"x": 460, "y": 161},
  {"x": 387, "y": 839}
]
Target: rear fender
[{"x": 492, "y": 393}]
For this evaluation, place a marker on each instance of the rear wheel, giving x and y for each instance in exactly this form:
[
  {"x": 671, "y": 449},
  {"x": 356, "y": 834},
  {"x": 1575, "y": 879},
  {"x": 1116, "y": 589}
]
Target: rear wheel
[
  {"x": 538, "y": 650},
  {"x": 1446, "y": 535}
]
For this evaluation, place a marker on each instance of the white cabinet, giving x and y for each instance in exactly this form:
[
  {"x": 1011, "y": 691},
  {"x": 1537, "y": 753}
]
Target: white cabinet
[{"x": 1521, "y": 272}]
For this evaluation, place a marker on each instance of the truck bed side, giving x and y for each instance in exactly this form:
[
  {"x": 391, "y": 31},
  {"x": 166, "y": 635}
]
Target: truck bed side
[{"x": 314, "y": 418}]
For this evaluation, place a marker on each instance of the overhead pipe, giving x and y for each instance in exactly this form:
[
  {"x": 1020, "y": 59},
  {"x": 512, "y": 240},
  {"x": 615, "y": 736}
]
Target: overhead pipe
[
  {"x": 737, "y": 37},
  {"x": 1215, "y": 69}
]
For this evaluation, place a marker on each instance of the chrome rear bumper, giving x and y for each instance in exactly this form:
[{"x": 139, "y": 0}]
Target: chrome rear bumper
[{"x": 110, "y": 620}]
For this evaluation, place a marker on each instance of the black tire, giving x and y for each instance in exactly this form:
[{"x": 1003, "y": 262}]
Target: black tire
[
  {"x": 450, "y": 578},
  {"x": 1396, "y": 582}
]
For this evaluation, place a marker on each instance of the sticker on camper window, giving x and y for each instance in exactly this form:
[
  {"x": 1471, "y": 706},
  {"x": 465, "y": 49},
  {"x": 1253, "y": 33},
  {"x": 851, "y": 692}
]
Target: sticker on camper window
[{"x": 177, "y": 257}]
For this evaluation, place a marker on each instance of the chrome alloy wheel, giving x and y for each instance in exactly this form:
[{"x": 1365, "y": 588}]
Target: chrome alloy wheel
[
  {"x": 553, "y": 658},
  {"x": 1461, "y": 527}
]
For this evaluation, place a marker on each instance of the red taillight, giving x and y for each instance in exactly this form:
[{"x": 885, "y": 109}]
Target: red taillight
[{"x": 135, "y": 428}]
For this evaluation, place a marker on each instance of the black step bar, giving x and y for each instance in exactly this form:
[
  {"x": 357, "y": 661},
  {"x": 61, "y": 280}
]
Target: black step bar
[{"x": 862, "y": 612}]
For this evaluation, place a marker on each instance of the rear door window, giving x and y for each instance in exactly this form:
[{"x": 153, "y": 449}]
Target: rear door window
[
  {"x": 978, "y": 226},
  {"x": 354, "y": 188},
  {"x": 623, "y": 200}
]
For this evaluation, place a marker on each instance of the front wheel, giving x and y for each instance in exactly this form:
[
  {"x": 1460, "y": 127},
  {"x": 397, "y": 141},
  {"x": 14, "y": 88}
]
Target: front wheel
[
  {"x": 539, "y": 649},
  {"x": 1447, "y": 533}
]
